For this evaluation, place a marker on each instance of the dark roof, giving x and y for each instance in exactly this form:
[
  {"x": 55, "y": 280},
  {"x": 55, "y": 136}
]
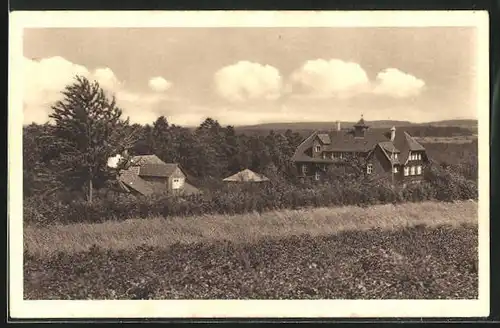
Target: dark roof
[
  {"x": 146, "y": 159},
  {"x": 387, "y": 149},
  {"x": 324, "y": 138},
  {"x": 412, "y": 143},
  {"x": 388, "y": 146},
  {"x": 157, "y": 170},
  {"x": 131, "y": 180},
  {"x": 345, "y": 141}
]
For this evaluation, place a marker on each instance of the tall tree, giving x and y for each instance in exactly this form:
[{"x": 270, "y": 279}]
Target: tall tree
[{"x": 88, "y": 129}]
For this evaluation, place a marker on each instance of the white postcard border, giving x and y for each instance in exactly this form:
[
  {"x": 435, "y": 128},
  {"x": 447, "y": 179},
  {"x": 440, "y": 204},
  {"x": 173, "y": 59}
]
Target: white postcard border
[{"x": 19, "y": 308}]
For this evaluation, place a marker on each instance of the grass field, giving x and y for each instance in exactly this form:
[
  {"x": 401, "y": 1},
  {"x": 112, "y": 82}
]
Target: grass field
[
  {"x": 162, "y": 232},
  {"x": 409, "y": 251}
]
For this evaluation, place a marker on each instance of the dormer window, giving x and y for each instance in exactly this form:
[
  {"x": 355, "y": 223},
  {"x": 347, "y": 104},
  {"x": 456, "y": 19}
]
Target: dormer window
[
  {"x": 317, "y": 148},
  {"x": 395, "y": 156},
  {"x": 395, "y": 169}
]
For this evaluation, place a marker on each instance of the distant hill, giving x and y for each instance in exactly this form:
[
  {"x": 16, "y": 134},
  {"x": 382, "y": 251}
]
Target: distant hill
[
  {"x": 319, "y": 125},
  {"x": 437, "y": 128},
  {"x": 459, "y": 123},
  {"x": 344, "y": 124}
]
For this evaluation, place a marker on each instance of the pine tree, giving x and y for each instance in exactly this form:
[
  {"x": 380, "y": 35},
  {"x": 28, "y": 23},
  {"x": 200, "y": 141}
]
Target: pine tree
[{"x": 88, "y": 129}]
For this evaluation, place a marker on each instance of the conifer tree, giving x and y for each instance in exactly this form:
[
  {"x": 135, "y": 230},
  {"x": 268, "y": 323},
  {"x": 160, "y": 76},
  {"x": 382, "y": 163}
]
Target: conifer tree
[{"x": 88, "y": 130}]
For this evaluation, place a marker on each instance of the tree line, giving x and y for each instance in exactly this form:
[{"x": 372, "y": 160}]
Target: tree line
[{"x": 71, "y": 153}]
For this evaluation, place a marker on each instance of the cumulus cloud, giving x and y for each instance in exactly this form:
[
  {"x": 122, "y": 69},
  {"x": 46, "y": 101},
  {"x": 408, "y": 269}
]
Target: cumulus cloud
[
  {"x": 246, "y": 80},
  {"x": 334, "y": 77},
  {"x": 44, "y": 80},
  {"x": 159, "y": 84},
  {"x": 398, "y": 84}
]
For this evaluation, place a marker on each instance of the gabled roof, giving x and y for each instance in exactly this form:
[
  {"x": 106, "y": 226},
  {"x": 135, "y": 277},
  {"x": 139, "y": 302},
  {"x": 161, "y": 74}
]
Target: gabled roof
[
  {"x": 246, "y": 176},
  {"x": 157, "y": 170},
  {"x": 388, "y": 146},
  {"x": 412, "y": 143},
  {"x": 146, "y": 159}
]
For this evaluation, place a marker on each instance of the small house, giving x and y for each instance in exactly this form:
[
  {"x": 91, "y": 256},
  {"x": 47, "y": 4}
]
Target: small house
[{"x": 148, "y": 174}]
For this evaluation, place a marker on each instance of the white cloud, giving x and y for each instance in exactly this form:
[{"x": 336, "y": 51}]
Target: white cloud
[
  {"x": 326, "y": 78},
  {"x": 159, "y": 84},
  {"x": 45, "y": 79},
  {"x": 398, "y": 84},
  {"x": 246, "y": 80}
]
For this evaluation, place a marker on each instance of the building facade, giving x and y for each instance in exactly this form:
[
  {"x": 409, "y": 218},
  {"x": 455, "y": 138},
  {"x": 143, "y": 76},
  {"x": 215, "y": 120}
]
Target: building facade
[{"x": 393, "y": 154}]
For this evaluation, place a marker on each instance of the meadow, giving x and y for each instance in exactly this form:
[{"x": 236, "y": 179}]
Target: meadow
[{"x": 413, "y": 250}]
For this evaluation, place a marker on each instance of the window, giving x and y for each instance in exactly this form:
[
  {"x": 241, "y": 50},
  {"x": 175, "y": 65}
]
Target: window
[
  {"x": 340, "y": 155},
  {"x": 369, "y": 168},
  {"x": 317, "y": 148},
  {"x": 412, "y": 170},
  {"x": 332, "y": 155},
  {"x": 395, "y": 169},
  {"x": 304, "y": 169},
  {"x": 419, "y": 156},
  {"x": 395, "y": 156},
  {"x": 419, "y": 169},
  {"x": 316, "y": 176},
  {"x": 406, "y": 171},
  {"x": 324, "y": 156},
  {"x": 177, "y": 183}
]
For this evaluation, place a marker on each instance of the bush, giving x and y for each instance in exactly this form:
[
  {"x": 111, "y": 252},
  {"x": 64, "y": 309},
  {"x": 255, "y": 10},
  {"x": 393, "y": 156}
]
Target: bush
[{"x": 444, "y": 184}]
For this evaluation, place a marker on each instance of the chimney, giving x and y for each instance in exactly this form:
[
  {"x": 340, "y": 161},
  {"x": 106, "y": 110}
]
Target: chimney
[
  {"x": 338, "y": 125},
  {"x": 393, "y": 133}
]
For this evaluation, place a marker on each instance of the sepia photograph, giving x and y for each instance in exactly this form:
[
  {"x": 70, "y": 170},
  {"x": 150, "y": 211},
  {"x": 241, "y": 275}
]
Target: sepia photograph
[{"x": 223, "y": 164}]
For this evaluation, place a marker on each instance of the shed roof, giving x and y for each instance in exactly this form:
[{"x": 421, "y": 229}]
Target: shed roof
[{"x": 246, "y": 176}]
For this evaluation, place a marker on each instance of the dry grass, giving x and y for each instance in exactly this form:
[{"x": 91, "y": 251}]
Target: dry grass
[{"x": 162, "y": 232}]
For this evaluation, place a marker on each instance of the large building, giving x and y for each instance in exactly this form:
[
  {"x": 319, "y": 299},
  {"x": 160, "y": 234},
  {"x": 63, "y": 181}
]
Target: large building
[{"x": 392, "y": 154}]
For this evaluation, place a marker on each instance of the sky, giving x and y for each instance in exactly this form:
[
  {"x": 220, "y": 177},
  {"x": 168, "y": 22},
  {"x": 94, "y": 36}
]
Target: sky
[{"x": 252, "y": 75}]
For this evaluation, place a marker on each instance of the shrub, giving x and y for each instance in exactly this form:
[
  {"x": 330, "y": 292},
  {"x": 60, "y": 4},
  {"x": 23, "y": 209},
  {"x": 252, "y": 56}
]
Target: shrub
[{"x": 441, "y": 183}]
